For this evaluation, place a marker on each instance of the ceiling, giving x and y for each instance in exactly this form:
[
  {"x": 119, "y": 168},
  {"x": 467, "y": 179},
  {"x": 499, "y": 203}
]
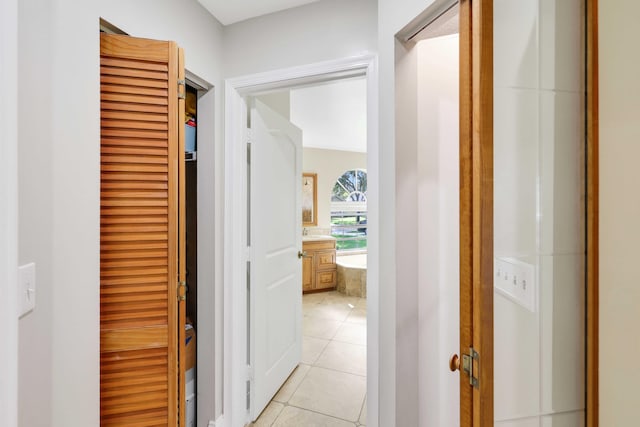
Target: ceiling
[
  {"x": 232, "y": 11},
  {"x": 332, "y": 116}
]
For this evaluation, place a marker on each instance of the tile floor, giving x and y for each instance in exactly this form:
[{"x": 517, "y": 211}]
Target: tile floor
[{"x": 328, "y": 389}]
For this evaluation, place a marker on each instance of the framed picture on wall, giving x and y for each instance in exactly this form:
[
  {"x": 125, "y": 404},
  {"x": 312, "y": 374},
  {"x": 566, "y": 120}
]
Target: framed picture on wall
[{"x": 309, "y": 199}]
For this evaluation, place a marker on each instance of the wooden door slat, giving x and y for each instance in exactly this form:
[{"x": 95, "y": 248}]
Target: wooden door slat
[
  {"x": 134, "y": 134},
  {"x": 135, "y": 271},
  {"x": 129, "y": 315},
  {"x": 133, "y": 124},
  {"x": 134, "y": 338},
  {"x": 142, "y": 159},
  {"x": 133, "y": 115},
  {"x": 134, "y": 90},
  {"x": 132, "y": 81},
  {"x": 117, "y": 255},
  {"x": 133, "y": 185},
  {"x": 132, "y": 220},
  {"x": 117, "y": 167},
  {"x": 131, "y": 388},
  {"x": 134, "y": 99},
  {"x": 115, "y": 384},
  {"x": 149, "y": 369},
  {"x": 108, "y": 177},
  {"x": 140, "y": 108},
  {"x": 128, "y": 302},
  {"x": 122, "y": 246},
  {"x": 133, "y": 151},
  {"x": 117, "y": 62},
  {"x": 128, "y": 298},
  {"x": 134, "y": 71},
  {"x": 133, "y": 262}
]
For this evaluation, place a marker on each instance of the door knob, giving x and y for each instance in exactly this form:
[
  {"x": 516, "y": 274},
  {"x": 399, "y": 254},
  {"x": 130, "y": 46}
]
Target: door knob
[
  {"x": 454, "y": 363},
  {"x": 302, "y": 254},
  {"x": 467, "y": 365}
]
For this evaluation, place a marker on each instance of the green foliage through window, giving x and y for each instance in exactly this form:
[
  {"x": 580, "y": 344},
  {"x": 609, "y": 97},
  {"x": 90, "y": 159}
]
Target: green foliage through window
[{"x": 349, "y": 210}]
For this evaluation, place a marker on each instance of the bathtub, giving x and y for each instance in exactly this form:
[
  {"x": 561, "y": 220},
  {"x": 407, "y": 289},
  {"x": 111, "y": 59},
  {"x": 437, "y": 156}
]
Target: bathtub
[{"x": 352, "y": 274}]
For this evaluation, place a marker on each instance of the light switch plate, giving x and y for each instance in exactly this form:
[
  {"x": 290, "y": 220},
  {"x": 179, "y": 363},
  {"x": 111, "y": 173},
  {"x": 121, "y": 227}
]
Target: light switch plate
[
  {"x": 516, "y": 280},
  {"x": 26, "y": 288}
]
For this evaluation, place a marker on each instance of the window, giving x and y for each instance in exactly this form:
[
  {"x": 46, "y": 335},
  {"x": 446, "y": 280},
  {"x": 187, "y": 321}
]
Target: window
[{"x": 349, "y": 210}]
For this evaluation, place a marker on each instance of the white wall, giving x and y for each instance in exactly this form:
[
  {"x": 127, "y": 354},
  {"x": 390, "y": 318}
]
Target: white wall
[
  {"x": 327, "y": 30},
  {"x": 537, "y": 136},
  {"x": 333, "y": 115},
  {"x": 8, "y": 213},
  {"x": 407, "y": 254},
  {"x": 329, "y": 165},
  {"x": 279, "y": 102},
  {"x": 400, "y": 296},
  {"x": 539, "y": 209},
  {"x": 59, "y": 187},
  {"x": 35, "y": 151},
  {"x": 427, "y": 253},
  {"x": 317, "y": 32},
  {"x": 619, "y": 210},
  {"x": 438, "y": 230}
]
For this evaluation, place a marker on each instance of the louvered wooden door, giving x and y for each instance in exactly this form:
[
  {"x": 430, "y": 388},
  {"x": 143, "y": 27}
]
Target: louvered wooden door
[{"x": 141, "y": 317}]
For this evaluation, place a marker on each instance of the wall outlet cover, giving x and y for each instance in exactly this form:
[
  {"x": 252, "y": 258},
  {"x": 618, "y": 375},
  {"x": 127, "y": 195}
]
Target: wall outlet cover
[{"x": 516, "y": 280}]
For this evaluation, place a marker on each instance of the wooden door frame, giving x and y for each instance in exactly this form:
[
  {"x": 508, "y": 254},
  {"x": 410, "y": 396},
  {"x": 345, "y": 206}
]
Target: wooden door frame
[
  {"x": 476, "y": 208},
  {"x": 592, "y": 190}
]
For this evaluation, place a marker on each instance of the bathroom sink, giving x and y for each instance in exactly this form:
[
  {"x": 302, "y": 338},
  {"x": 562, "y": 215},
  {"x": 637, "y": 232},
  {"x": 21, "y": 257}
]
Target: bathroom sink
[{"x": 316, "y": 238}]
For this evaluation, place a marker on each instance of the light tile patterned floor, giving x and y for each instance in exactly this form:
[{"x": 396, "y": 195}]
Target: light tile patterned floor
[{"x": 328, "y": 389}]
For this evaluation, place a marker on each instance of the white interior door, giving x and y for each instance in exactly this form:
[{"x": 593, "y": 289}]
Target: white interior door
[{"x": 275, "y": 239}]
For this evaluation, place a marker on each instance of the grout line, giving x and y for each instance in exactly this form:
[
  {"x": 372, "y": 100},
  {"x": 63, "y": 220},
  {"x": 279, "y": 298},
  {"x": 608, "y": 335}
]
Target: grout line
[
  {"x": 321, "y": 413},
  {"x": 314, "y": 365},
  {"x": 339, "y": 371},
  {"x": 362, "y": 408},
  {"x": 297, "y": 387}
]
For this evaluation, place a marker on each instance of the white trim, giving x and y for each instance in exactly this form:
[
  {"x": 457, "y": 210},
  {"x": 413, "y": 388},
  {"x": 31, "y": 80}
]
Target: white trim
[
  {"x": 9, "y": 213},
  {"x": 426, "y": 18},
  {"x": 302, "y": 75},
  {"x": 235, "y": 220}
]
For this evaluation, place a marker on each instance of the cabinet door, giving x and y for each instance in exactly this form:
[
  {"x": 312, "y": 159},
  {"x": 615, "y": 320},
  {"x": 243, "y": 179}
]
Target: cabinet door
[
  {"x": 325, "y": 279},
  {"x": 139, "y": 232},
  {"x": 325, "y": 260},
  {"x": 307, "y": 273}
]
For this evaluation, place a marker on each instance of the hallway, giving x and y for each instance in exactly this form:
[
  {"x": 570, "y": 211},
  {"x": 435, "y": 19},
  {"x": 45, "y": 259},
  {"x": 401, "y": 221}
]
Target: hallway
[{"x": 328, "y": 388}]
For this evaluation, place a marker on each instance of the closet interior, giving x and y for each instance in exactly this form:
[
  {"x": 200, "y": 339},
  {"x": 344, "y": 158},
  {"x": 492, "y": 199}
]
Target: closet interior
[{"x": 191, "y": 219}]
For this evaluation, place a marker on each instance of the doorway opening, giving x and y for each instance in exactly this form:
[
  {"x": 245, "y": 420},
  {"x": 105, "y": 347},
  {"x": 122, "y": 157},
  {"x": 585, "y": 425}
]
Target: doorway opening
[
  {"x": 238, "y": 320},
  {"x": 427, "y": 195},
  {"x": 329, "y": 383},
  {"x": 523, "y": 215}
]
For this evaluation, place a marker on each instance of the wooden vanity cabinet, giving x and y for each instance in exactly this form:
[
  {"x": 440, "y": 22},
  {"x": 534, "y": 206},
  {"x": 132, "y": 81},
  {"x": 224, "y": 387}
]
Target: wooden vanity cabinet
[{"x": 319, "y": 265}]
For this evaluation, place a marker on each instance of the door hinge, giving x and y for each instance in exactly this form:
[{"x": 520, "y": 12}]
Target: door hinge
[
  {"x": 248, "y": 395},
  {"x": 182, "y": 290},
  {"x": 250, "y": 373},
  {"x": 250, "y": 377},
  {"x": 467, "y": 366},
  {"x": 181, "y": 93}
]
